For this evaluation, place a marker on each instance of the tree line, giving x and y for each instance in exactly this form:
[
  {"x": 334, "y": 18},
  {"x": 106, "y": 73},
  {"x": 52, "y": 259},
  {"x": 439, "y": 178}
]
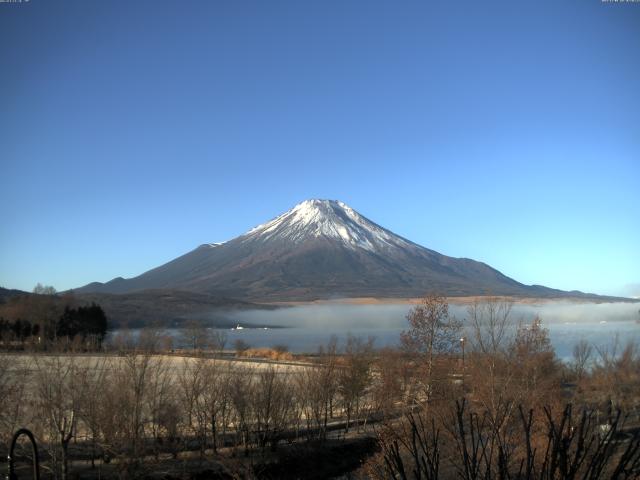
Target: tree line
[{"x": 44, "y": 318}]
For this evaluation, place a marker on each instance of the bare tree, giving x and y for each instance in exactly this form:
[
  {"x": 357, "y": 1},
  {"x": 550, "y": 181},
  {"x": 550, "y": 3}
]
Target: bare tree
[
  {"x": 92, "y": 381},
  {"x": 535, "y": 364},
  {"x": 158, "y": 398},
  {"x": 489, "y": 320},
  {"x": 216, "y": 398},
  {"x": 321, "y": 386},
  {"x": 124, "y": 341},
  {"x": 615, "y": 376},
  {"x": 582, "y": 353},
  {"x": 169, "y": 418},
  {"x": 240, "y": 388},
  {"x": 151, "y": 339},
  {"x": 191, "y": 385},
  {"x": 431, "y": 332},
  {"x": 218, "y": 340},
  {"x": 58, "y": 398},
  {"x": 272, "y": 405},
  {"x": 410, "y": 449},
  {"x": 15, "y": 377},
  {"x": 195, "y": 335},
  {"x": 40, "y": 289},
  {"x": 240, "y": 346},
  {"x": 491, "y": 371},
  {"x": 124, "y": 413},
  {"x": 310, "y": 399},
  {"x": 354, "y": 376},
  {"x": 113, "y": 414}
]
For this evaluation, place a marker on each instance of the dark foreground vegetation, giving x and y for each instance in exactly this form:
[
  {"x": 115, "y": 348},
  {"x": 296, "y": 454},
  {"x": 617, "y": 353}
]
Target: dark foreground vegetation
[{"x": 496, "y": 404}]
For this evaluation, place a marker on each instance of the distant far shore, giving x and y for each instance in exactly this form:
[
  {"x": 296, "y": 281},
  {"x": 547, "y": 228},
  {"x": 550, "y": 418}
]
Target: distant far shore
[{"x": 453, "y": 300}]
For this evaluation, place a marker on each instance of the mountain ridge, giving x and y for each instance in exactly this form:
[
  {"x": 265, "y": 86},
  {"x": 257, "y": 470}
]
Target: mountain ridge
[{"x": 322, "y": 249}]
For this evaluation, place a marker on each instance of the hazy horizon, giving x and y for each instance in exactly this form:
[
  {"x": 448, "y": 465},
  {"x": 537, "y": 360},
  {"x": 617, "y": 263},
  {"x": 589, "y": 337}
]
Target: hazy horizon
[{"x": 303, "y": 328}]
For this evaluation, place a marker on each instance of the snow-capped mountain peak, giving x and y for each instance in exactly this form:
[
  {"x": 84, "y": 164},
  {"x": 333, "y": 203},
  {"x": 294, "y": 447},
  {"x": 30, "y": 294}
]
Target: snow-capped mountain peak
[
  {"x": 330, "y": 219},
  {"x": 320, "y": 249}
]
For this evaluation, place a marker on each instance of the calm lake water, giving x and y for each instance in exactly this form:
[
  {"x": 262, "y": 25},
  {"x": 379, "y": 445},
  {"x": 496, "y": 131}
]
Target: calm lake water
[{"x": 306, "y": 327}]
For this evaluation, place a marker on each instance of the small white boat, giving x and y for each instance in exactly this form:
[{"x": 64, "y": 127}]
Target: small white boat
[{"x": 238, "y": 327}]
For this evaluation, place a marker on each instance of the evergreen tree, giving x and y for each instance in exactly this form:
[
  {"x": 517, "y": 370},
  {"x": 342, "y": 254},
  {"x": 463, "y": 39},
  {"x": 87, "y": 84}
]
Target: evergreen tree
[{"x": 83, "y": 321}]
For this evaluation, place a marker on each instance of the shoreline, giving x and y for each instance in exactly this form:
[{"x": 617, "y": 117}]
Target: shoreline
[{"x": 466, "y": 300}]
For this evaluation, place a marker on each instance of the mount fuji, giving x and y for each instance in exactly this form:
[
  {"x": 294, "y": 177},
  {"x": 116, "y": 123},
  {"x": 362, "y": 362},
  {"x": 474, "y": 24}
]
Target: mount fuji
[{"x": 322, "y": 249}]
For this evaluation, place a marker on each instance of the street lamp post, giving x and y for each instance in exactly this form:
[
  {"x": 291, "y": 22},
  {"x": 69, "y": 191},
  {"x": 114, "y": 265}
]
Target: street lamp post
[{"x": 462, "y": 342}]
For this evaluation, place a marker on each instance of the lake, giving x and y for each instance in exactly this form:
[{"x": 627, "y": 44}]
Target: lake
[{"x": 306, "y": 327}]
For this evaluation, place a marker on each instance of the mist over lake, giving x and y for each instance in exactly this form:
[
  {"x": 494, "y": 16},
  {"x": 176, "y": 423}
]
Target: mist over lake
[{"x": 304, "y": 328}]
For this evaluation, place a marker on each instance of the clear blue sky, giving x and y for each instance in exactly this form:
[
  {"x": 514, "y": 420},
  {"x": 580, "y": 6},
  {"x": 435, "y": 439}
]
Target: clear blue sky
[{"x": 507, "y": 132}]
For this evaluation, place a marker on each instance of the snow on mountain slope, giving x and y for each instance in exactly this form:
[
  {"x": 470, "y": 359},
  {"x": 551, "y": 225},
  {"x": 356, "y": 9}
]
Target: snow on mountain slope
[{"x": 330, "y": 219}]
